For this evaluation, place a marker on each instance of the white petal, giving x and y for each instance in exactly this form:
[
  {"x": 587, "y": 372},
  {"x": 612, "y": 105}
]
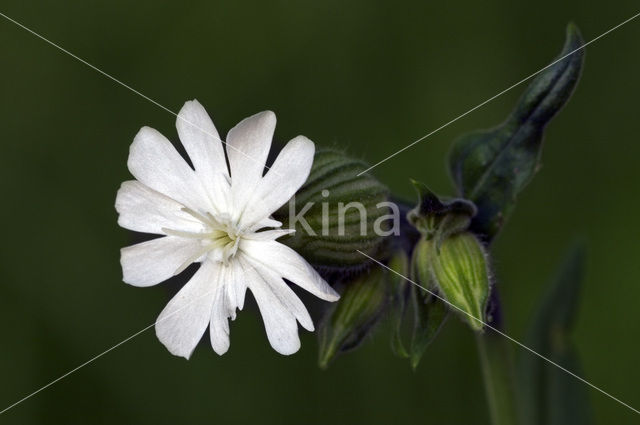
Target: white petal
[
  {"x": 149, "y": 263},
  {"x": 290, "y": 265},
  {"x": 201, "y": 140},
  {"x": 279, "y": 322},
  {"x": 183, "y": 321},
  {"x": 269, "y": 235},
  {"x": 220, "y": 309},
  {"x": 154, "y": 162},
  {"x": 248, "y": 145},
  {"x": 287, "y": 174},
  {"x": 237, "y": 284},
  {"x": 229, "y": 297},
  {"x": 284, "y": 294},
  {"x": 144, "y": 210},
  {"x": 266, "y": 222},
  {"x": 204, "y": 146}
]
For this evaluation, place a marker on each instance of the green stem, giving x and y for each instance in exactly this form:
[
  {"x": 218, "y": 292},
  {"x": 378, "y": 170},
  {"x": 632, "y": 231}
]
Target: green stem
[{"x": 497, "y": 371}]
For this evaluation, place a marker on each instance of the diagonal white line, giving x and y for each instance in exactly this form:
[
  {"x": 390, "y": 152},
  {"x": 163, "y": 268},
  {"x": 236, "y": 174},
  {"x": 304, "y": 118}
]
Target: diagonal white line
[
  {"x": 76, "y": 369},
  {"x": 110, "y": 349},
  {"x": 498, "y": 95},
  {"x": 112, "y": 78},
  {"x": 375, "y": 165},
  {"x": 503, "y": 334},
  {"x": 91, "y": 360}
]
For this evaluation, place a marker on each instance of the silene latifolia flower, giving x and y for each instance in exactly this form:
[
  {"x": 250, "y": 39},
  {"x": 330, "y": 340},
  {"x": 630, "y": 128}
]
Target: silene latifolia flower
[{"x": 220, "y": 217}]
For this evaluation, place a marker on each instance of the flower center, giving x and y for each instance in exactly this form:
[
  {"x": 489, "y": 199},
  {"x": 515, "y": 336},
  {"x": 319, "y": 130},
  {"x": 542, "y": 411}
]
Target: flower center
[
  {"x": 223, "y": 241},
  {"x": 219, "y": 239}
]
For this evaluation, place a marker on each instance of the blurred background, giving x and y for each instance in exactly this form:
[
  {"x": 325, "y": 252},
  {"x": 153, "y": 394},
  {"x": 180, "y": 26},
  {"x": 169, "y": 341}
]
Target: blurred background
[{"x": 367, "y": 76}]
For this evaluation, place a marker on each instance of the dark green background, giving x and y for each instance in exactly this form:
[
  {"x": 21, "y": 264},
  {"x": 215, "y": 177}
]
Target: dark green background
[{"x": 370, "y": 77}]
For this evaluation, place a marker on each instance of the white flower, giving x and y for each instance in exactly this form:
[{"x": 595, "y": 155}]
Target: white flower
[{"x": 217, "y": 216}]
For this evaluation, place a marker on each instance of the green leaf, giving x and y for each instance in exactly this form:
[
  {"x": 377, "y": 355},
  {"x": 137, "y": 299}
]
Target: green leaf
[
  {"x": 550, "y": 395},
  {"x": 490, "y": 167},
  {"x": 351, "y": 319}
]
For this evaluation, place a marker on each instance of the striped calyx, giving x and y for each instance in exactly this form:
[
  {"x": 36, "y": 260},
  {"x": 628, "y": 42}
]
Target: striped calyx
[
  {"x": 337, "y": 213},
  {"x": 461, "y": 274},
  {"x": 352, "y": 318}
]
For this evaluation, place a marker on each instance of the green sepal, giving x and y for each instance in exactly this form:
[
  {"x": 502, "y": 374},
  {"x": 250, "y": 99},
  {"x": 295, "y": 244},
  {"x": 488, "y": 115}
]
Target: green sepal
[
  {"x": 490, "y": 167},
  {"x": 330, "y": 247},
  {"x": 435, "y": 216},
  {"x": 422, "y": 263},
  {"x": 398, "y": 290},
  {"x": 352, "y": 318},
  {"x": 461, "y": 275},
  {"x": 430, "y": 314}
]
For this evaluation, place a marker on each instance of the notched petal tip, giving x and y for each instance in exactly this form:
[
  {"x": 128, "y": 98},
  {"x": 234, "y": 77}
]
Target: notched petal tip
[{"x": 193, "y": 102}]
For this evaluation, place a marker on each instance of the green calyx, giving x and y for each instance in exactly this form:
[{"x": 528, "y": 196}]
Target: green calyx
[
  {"x": 461, "y": 274},
  {"x": 337, "y": 213},
  {"x": 351, "y": 319}
]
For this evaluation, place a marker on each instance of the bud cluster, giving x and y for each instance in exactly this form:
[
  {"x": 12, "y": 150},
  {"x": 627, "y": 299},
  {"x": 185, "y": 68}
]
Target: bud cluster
[{"x": 448, "y": 259}]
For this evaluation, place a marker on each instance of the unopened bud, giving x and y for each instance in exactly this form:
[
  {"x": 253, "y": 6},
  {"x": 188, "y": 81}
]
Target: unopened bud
[
  {"x": 338, "y": 213},
  {"x": 461, "y": 274},
  {"x": 351, "y": 319}
]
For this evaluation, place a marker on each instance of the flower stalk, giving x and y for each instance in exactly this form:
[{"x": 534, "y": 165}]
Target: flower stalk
[{"x": 498, "y": 375}]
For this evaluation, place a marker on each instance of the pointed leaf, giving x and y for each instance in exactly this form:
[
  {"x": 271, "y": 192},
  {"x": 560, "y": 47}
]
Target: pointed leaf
[{"x": 490, "y": 167}]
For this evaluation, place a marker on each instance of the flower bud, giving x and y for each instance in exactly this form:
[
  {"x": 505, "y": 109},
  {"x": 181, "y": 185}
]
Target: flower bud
[
  {"x": 449, "y": 259},
  {"x": 351, "y": 319},
  {"x": 338, "y": 213},
  {"x": 461, "y": 275}
]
